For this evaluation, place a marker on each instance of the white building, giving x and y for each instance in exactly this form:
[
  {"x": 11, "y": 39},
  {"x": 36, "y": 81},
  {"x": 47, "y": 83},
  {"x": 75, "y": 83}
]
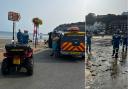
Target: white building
[{"x": 98, "y": 26}]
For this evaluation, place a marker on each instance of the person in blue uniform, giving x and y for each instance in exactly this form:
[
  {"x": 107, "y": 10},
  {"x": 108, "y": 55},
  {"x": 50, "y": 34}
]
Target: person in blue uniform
[
  {"x": 25, "y": 37},
  {"x": 55, "y": 39},
  {"x": 88, "y": 42},
  {"x": 116, "y": 44},
  {"x": 125, "y": 42},
  {"x": 20, "y": 36}
]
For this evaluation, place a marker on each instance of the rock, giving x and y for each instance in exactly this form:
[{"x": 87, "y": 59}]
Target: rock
[
  {"x": 99, "y": 65},
  {"x": 121, "y": 60},
  {"x": 87, "y": 87},
  {"x": 123, "y": 73},
  {"x": 87, "y": 74},
  {"x": 88, "y": 67},
  {"x": 100, "y": 56},
  {"x": 103, "y": 60},
  {"x": 108, "y": 69},
  {"x": 93, "y": 74},
  {"x": 94, "y": 65},
  {"x": 91, "y": 70},
  {"x": 126, "y": 71}
]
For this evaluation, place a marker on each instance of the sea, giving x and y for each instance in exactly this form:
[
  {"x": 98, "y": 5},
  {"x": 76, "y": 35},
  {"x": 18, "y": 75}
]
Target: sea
[{"x": 9, "y": 35}]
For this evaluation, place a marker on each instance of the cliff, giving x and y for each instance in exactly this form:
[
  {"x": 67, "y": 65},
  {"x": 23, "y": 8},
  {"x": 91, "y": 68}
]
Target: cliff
[{"x": 64, "y": 27}]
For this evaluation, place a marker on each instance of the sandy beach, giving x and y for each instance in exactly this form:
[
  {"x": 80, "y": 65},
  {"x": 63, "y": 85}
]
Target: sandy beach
[{"x": 39, "y": 47}]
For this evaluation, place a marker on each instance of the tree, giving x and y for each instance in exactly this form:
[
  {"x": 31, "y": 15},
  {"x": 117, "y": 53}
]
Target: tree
[
  {"x": 37, "y": 22},
  {"x": 90, "y": 19}
]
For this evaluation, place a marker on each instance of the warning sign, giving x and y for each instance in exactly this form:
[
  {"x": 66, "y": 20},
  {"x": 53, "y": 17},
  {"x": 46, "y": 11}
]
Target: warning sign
[{"x": 13, "y": 16}]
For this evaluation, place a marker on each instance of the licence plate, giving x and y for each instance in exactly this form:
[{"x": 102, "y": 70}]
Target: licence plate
[
  {"x": 16, "y": 60},
  {"x": 77, "y": 53}
]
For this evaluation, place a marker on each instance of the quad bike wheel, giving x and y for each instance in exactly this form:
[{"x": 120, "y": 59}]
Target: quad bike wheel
[
  {"x": 29, "y": 66},
  {"x": 5, "y": 66}
]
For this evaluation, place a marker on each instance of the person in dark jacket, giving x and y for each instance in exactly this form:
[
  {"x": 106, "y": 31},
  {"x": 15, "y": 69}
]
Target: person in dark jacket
[
  {"x": 116, "y": 43},
  {"x": 25, "y": 37},
  {"x": 55, "y": 39},
  {"x": 20, "y": 36},
  {"x": 88, "y": 41},
  {"x": 125, "y": 42}
]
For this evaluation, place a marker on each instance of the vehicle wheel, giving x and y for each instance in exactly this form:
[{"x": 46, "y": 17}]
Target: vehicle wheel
[
  {"x": 30, "y": 70},
  {"x": 5, "y": 67},
  {"x": 29, "y": 67}
]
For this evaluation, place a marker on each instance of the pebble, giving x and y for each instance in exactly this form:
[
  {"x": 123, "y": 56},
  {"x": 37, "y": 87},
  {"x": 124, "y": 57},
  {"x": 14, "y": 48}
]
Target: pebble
[
  {"x": 91, "y": 70},
  {"x": 87, "y": 87},
  {"x": 103, "y": 60},
  {"x": 99, "y": 65},
  {"x": 123, "y": 73},
  {"x": 108, "y": 69},
  {"x": 126, "y": 71},
  {"x": 94, "y": 65},
  {"x": 93, "y": 74}
]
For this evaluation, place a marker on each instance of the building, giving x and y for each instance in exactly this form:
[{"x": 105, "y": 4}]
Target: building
[
  {"x": 120, "y": 25},
  {"x": 125, "y": 13}
]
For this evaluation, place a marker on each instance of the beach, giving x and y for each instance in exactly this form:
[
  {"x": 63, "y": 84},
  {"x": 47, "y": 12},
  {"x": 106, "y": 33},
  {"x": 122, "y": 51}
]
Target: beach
[
  {"x": 103, "y": 71},
  {"x": 40, "y": 46},
  {"x": 2, "y": 44}
]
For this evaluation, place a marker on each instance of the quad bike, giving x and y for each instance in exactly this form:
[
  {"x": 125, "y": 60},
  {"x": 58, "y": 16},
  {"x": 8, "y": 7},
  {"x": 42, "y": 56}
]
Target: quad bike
[{"x": 17, "y": 56}]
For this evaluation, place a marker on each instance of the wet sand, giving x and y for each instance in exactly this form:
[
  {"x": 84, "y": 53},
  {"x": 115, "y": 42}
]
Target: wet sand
[{"x": 103, "y": 71}]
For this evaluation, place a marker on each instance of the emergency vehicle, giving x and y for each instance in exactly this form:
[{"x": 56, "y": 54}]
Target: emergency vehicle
[{"x": 71, "y": 42}]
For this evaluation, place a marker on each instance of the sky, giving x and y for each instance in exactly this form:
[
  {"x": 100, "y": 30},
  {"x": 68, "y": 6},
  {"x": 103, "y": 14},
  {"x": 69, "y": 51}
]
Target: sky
[
  {"x": 102, "y": 7},
  {"x": 55, "y": 12}
]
